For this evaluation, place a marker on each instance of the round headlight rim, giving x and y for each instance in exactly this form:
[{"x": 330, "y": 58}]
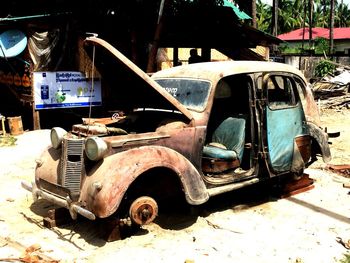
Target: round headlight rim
[
  {"x": 59, "y": 134},
  {"x": 100, "y": 150}
]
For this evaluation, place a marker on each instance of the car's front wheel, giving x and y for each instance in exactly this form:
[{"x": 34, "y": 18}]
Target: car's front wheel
[{"x": 143, "y": 210}]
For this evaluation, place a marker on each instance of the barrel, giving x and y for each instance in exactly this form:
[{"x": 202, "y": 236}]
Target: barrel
[{"x": 15, "y": 125}]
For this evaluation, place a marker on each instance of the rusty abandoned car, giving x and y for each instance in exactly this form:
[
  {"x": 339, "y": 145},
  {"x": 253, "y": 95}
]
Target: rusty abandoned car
[{"x": 196, "y": 130}]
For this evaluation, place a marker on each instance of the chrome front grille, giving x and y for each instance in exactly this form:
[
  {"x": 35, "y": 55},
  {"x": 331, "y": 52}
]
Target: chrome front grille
[{"x": 72, "y": 164}]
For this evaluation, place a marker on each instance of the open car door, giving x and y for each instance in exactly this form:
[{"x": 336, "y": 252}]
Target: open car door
[{"x": 285, "y": 121}]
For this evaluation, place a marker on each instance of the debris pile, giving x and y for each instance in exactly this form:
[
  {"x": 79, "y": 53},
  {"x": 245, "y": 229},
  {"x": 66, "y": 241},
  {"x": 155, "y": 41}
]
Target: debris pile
[
  {"x": 7, "y": 140},
  {"x": 332, "y": 91},
  {"x": 342, "y": 169}
]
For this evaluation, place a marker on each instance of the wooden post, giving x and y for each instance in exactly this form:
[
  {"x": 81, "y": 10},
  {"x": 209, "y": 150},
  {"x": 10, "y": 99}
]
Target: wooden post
[
  {"x": 331, "y": 28},
  {"x": 175, "y": 56},
  {"x": 36, "y": 115},
  {"x": 3, "y": 125},
  {"x": 206, "y": 54},
  {"x": 152, "y": 57},
  {"x": 311, "y": 3}
]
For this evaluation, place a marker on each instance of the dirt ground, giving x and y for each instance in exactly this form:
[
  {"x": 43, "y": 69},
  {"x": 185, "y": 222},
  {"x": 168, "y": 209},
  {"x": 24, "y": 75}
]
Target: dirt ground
[{"x": 249, "y": 227}]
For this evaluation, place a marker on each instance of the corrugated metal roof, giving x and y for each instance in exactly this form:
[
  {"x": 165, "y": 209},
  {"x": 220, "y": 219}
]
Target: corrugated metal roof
[
  {"x": 338, "y": 33},
  {"x": 240, "y": 14}
]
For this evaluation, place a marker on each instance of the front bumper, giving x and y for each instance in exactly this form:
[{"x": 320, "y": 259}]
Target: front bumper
[{"x": 73, "y": 207}]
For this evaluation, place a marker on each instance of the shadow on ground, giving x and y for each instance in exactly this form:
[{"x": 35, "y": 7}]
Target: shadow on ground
[{"x": 172, "y": 216}]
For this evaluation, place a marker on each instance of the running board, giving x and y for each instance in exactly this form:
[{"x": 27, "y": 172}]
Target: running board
[{"x": 231, "y": 187}]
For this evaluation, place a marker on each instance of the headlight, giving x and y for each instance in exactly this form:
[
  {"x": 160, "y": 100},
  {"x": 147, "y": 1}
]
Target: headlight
[
  {"x": 56, "y": 136},
  {"x": 95, "y": 148}
]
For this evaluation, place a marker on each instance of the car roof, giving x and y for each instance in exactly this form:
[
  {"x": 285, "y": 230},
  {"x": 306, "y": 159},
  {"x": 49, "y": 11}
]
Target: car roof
[{"x": 214, "y": 71}]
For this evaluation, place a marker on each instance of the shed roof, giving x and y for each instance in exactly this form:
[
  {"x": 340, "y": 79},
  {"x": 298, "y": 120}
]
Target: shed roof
[{"x": 296, "y": 35}]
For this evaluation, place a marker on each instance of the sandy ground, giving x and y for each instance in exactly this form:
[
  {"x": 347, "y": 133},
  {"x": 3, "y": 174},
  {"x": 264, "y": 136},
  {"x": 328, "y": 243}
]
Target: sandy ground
[{"x": 252, "y": 228}]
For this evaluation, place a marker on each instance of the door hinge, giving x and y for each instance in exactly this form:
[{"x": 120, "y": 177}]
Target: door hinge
[
  {"x": 263, "y": 154},
  {"x": 261, "y": 102}
]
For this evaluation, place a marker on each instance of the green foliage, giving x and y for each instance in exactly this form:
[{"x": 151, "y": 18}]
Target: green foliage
[
  {"x": 324, "y": 67},
  {"x": 7, "y": 140},
  {"x": 345, "y": 259},
  {"x": 288, "y": 49},
  {"x": 321, "y": 45},
  {"x": 291, "y": 15}
]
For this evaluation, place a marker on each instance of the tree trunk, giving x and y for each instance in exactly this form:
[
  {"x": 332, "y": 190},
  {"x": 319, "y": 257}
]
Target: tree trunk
[
  {"x": 331, "y": 27},
  {"x": 275, "y": 17},
  {"x": 152, "y": 56},
  {"x": 311, "y": 5},
  {"x": 254, "y": 13},
  {"x": 250, "y": 8}
]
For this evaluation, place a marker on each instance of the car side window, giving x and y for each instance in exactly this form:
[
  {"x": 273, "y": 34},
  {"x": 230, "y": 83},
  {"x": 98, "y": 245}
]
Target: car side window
[
  {"x": 300, "y": 89},
  {"x": 280, "y": 92}
]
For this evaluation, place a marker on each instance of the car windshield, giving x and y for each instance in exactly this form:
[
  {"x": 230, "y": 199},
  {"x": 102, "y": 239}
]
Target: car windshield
[{"x": 192, "y": 93}]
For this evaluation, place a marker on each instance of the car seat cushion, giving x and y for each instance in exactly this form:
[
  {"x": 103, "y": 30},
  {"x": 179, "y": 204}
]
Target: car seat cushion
[
  {"x": 219, "y": 153},
  {"x": 231, "y": 134}
]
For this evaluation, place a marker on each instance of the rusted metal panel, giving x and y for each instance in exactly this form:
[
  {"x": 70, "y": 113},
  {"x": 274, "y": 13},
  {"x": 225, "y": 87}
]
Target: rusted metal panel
[
  {"x": 132, "y": 139},
  {"x": 294, "y": 187},
  {"x": 214, "y": 71},
  {"x": 211, "y": 165},
  {"x": 133, "y": 67},
  {"x": 47, "y": 166},
  {"x": 303, "y": 143},
  {"x": 118, "y": 171},
  {"x": 322, "y": 139},
  {"x": 310, "y": 108},
  {"x": 98, "y": 130}
]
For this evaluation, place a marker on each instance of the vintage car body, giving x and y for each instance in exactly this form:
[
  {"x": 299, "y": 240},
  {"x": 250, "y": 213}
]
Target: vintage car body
[{"x": 214, "y": 127}]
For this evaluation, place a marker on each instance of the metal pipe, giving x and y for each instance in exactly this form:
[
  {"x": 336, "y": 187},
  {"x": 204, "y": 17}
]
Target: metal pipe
[{"x": 30, "y": 17}]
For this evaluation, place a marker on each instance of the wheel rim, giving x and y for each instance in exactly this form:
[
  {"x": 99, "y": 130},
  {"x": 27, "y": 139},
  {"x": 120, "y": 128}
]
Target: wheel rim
[{"x": 143, "y": 210}]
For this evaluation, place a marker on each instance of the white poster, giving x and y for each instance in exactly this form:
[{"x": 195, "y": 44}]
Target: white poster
[{"x": 65, "y": 89}]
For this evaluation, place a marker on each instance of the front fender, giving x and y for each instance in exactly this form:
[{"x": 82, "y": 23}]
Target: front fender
[
  {"x": 322, "y": 139},
  {"x": 106, "y": 184}
]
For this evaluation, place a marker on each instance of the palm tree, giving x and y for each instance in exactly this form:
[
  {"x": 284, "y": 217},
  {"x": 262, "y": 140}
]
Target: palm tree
[
  {"x": 331, "y": 26},
  {"x": 311, "y": 7},
  {"x": 263, "y": 17},
  {"x": 321, "y": 16},
  {"x": 275, "y": 17},
  {"x": 289, "y": 17},
  {"x": 254, "y": 13},
  {"x": 342, "y": 16},
  {"x": 298, "y": 10}
]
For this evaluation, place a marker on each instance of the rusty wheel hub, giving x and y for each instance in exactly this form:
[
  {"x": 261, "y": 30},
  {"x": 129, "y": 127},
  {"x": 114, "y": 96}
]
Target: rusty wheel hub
[{"x": 143, "y": 210}]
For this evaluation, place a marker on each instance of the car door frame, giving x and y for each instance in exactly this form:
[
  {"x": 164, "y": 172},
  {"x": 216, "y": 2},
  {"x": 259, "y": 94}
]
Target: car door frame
[{"x": 289, "y": 159}]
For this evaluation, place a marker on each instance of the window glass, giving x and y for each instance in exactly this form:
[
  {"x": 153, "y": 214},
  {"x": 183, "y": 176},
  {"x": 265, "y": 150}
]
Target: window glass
[
  {"x": 259, "y": 83},
  {"x": 300, "y": 89},
  {"x": 280, "y": 92},
  {"x": 192, "y": 93}
]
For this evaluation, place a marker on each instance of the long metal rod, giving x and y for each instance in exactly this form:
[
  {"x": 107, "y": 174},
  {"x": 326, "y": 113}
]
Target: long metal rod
[
  {"x": 30, "y": 17},
  {"x": 92, "y": 80}
]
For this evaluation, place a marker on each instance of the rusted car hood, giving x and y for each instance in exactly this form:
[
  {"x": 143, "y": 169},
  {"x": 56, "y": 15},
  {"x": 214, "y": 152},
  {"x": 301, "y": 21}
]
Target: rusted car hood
[{"x": 141, "y": 74}]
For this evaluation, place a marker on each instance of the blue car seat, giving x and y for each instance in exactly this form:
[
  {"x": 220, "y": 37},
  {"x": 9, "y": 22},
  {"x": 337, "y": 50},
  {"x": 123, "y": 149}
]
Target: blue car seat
[{"x": 228, "y": 140}]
